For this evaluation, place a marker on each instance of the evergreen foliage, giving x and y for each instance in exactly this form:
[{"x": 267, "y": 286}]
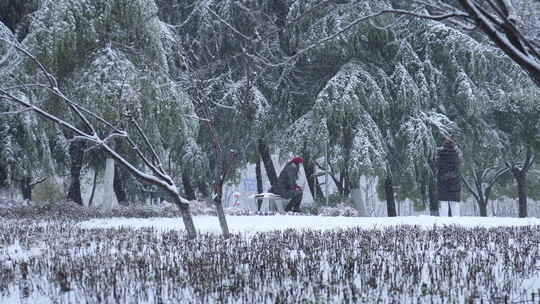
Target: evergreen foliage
[{"x": 202, "y": 78}]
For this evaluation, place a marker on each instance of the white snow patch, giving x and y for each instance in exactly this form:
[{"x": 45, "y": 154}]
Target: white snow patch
[{"x": 253, "y": 224}]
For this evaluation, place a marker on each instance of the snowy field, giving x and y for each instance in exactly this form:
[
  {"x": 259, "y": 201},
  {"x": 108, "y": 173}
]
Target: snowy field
[
  {"x": 253, "y": 224},
  {"x": 271, "y": 259}
]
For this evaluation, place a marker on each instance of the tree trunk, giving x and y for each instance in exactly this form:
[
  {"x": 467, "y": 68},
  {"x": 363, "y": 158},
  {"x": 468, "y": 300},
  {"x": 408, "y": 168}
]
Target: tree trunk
[
  {"x": 94, "y": 184},
  {"x": 281, "y": 10},
  {"x": 482, "y": 198},
  {"x": 338, "y": 183},
  {"x": 108, "y": 181},
  {"x": 188, "y": 188},
  {"x": 120, "y": 176},
  {"x": 345, "y": 174},
  {"x": 258, "y": 175},
  {"x": 221, "y": 216},
  {"x": 3, "y": 176},
  {"x": 433, "y": 199},
  {"x": 26, "y": 188},
  {"x": 314, "y": 187},
  {"x": 521, "y": 180},
  {"x": 390, "y": 201},
  {"x": 76, "y": 154},
  {"x": 480, "y": 194},
  {"x": 119, "y": 185},
  {"x": 186, "y": 217},
  {"x": 482, "y": 206},
  {"x": 348, "y": 185},
  {"x": 268, "y": 164}
]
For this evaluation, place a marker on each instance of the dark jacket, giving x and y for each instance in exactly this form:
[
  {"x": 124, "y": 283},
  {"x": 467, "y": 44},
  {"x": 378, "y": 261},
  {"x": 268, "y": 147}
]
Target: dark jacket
[
  {"x": 286, "y": 180},
  {"x": 448, "y": 173}
]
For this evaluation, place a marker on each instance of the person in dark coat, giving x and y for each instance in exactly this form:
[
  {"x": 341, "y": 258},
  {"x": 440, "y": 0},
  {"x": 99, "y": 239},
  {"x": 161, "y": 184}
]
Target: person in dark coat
[
  {"x": 448, "y": 180},
  {"x": 286, "y": 186}
]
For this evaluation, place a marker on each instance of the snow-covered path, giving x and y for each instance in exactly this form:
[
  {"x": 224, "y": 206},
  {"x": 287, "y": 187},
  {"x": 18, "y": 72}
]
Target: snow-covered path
[{"x": 251, "y": 224}]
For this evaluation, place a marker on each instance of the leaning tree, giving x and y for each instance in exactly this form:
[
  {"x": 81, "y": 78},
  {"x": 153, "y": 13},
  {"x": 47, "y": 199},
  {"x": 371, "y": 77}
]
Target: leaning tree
[{"x": 23, "y": 95}]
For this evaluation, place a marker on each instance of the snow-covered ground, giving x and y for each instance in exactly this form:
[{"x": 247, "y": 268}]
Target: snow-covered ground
[
  {"x": 99, "y": 261},
  {"x": 252, "y": 224}
]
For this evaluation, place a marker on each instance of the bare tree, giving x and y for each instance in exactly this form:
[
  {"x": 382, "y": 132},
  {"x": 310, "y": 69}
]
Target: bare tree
[
  {"x": 481, "y": 183},
  {"x": 222, "y": 166},
  {"x": 519, "y": 171},
  {"x": 157, "y": 177},
  {"x": 495, "y": 18}
]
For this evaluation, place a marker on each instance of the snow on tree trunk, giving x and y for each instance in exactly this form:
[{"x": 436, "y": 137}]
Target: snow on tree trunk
[{"x": 109, "y": 200}]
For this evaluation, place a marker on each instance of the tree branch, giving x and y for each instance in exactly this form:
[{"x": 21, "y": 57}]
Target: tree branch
[
  {"x": 15, "y": 112},
  {"x": 502, "y": 32},
  {"x": 427, "y": 16},
  {"x": 44, "y": 114},
  {"x": 147, "y": 142},
  {"x": 470, "y": 188},
  {"x": 53, "y": 84},
  {"x": 232, "y": 28},
  {"x": 39, "y": 181}
]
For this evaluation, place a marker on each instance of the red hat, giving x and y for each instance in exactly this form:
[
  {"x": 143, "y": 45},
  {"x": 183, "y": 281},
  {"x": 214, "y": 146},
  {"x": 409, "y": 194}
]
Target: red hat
[{"x": 297, "y": 160}]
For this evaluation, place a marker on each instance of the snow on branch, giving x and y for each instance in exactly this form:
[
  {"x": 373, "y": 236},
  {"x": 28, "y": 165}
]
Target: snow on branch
[
  {"x": 26, "y": 104},
  {"x": 420, "y": 131},
  {"x": 440, "y": 17}
]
